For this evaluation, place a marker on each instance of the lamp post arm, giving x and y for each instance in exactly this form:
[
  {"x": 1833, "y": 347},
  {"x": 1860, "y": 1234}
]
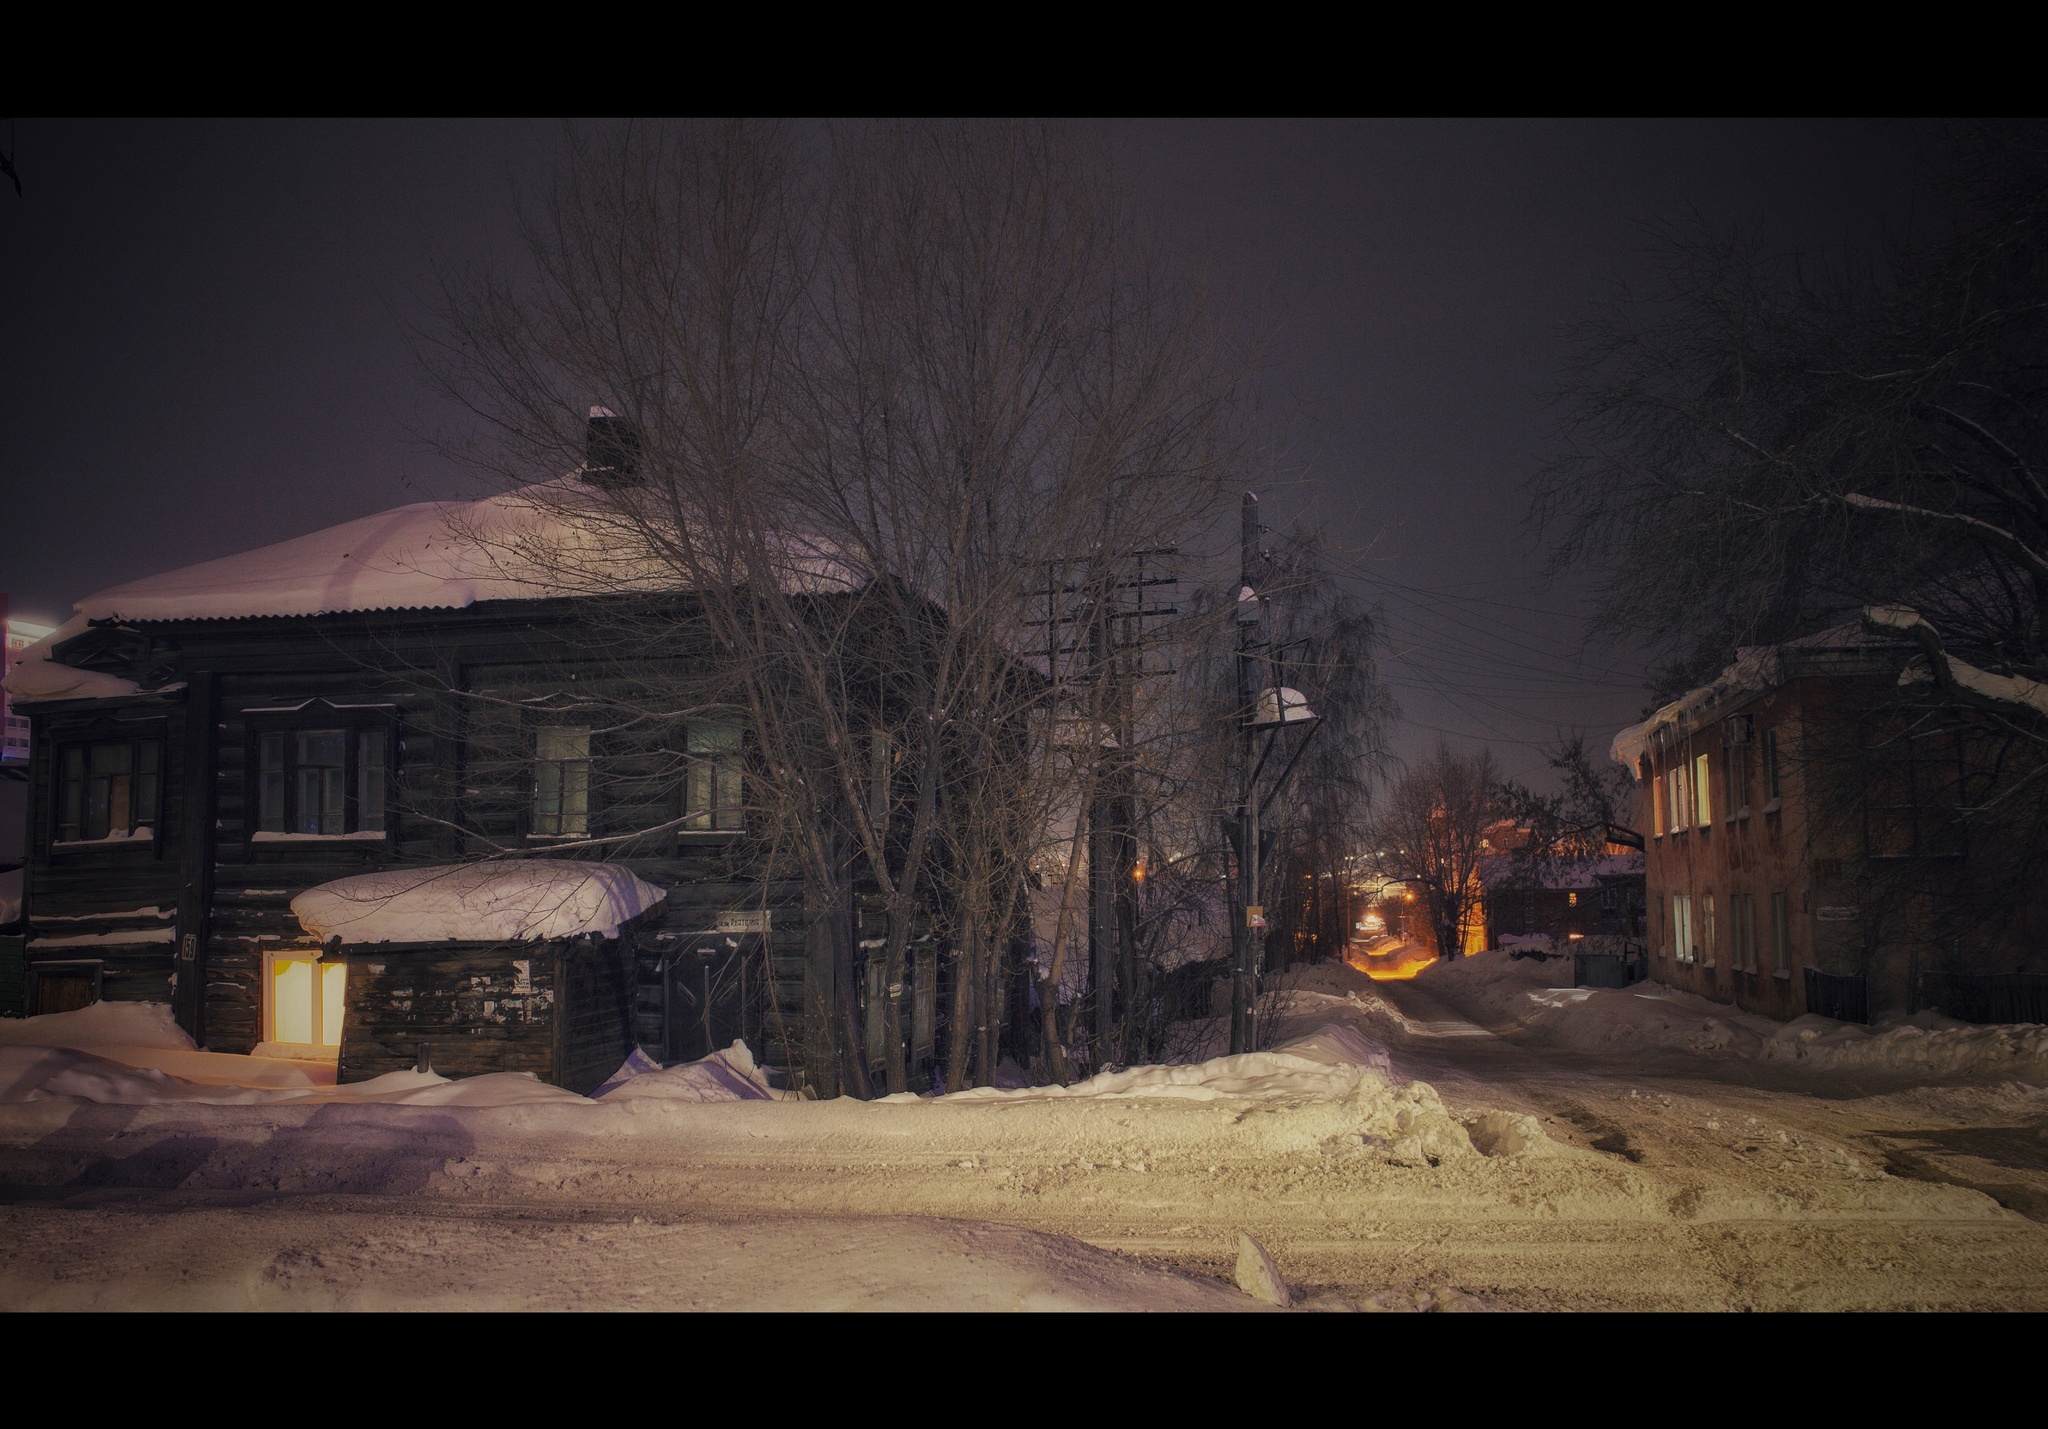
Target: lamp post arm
[{"x": 1288, "y": 772}]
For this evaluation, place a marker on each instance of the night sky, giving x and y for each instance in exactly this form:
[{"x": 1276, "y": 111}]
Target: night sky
[{"x": 205, "y": 345}]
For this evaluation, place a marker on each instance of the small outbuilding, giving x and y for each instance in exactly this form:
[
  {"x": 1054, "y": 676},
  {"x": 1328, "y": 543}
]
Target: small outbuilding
[{"x": 515, "y": 966}]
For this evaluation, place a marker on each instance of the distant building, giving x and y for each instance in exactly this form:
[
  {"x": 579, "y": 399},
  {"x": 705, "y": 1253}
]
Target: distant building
[
  {"x": 14, "y": 749},
  {"x": 1806, "y": 845},
  {"x": 1559, "y": 897}
]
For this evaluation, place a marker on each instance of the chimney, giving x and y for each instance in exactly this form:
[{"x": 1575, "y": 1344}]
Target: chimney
[{"x": 611, "y": 450}]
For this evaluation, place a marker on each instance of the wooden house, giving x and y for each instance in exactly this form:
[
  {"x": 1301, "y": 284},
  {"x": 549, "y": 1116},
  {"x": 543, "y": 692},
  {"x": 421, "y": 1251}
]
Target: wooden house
[{"x": 397, "y": 693}]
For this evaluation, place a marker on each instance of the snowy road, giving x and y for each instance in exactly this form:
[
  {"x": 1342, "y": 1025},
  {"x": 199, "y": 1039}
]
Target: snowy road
[{"x": 1666, "y": 1181}]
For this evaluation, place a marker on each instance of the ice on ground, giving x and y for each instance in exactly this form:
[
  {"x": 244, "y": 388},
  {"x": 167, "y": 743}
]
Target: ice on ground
[
  {"x": 726, "y": 1076},
  {"x": 531, "y": 900},
  {"x": 286, "y": 1258}
]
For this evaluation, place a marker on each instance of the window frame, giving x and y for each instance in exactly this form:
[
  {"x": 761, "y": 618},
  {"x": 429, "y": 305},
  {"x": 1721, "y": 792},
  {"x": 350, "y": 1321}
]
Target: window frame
[
  {"x": 714, "y": 766},
  {"x": 1781, "y": 935},
  {"x": 531, "y": 811},
  {"x": 99, "y": 734},
  {"x": 378, "y": 722}
]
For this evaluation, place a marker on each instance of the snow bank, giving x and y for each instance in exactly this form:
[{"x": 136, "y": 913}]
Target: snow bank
[
  {"x": 1324, "y": 1066},
  {"x": 727, "y": 1076},
  {"x": 532, "y": 900},
  {"x": 36, "y": 1073},
  {"x": 104, "y": 1024},
  {"x": 1928, "y": 1044},
  {"x": 1652, "y": 1017}
]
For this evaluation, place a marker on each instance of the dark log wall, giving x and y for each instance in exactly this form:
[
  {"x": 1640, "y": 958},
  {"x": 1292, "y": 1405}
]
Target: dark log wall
[
  {"x": 110, "y": 903},
  {"x": 462, "y": 691},
  {"x": 594, "y": 1013},
  {"x": 478, "y": 1009}
]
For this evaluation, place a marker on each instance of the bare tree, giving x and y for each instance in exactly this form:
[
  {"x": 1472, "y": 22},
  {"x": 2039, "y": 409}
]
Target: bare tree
[
  {"x": 1427, "y": 834},
  {"x": 872, "y": 386},
  {"x": 1764, "y": 446}
]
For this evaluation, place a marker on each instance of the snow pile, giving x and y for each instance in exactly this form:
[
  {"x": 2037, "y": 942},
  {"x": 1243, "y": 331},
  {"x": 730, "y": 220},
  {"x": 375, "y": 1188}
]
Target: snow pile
[
  {"x": 1928, "y": 1043},
  {"x": 1496, "y": 988},
  {"x": 533, "y": 900},
  {"x": 727, "y": 1076},
  {"x": 35, "y": 1073},
  {"x": 103, "y": 1024},
  {"x": 1325, "y": 1066}
]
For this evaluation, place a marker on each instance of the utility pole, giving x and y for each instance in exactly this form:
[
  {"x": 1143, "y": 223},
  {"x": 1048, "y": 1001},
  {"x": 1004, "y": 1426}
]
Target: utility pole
[{"x": 1247, "y": 923}]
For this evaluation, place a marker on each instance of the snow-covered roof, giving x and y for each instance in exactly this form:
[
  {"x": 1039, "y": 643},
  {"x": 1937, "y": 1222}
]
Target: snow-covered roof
[
  {"x": 558, "y": 538},
  {"x": 35, "y": 676},
  {"x": 531, "y": 900},
  {"x": 1757, "y": 670},
  {"x": 1503, "y": 870}
]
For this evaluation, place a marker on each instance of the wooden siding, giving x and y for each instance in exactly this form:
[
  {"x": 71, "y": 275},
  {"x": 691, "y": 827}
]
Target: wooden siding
[
  {"x": 477, "y": 1008},
  {"x": 460, "y": 691}
]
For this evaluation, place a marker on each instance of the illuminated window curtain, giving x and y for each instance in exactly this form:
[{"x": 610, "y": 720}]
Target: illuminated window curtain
[{"x": 1703, "y": 803}]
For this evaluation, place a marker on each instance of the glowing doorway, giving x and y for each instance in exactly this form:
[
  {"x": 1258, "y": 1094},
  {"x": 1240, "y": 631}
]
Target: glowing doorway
[{"x": 303, "y": 1002}]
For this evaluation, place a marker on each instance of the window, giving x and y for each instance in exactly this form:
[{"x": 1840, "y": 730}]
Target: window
[
  {"x": 108, "y": 790},
  {"x": 1781, "y": 936},
  {"x": 1703, "y": 804},
  {"x": 1741, "y": 732},
  {"x": 1770, "y": 748},
  {"x": 1681, "y": 797},
  {"x": 561, "y": 782},
  {"x": 303, "y": 1000},
  {"x": 711, "y": 786},
  {"x": 1742, "y": 931},
  {"x": 1681, "y": 926},
  {"x": 1707, "y": 927},
  {"x": 1657, "y": 806},
  {"x": 322, "y": 783},
  {"x": 1912, "y": 803}
]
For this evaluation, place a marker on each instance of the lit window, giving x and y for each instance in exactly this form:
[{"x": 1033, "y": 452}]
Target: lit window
[
  {"x": 1703, "y": 804},
  {"x": 1707, "y": 927},
  {"x": 306, "y": 1001},
  {"x": 712, "y": 788},
  {"x": 108, "y": 791},
  {"x": 1681, "y": 926},
  {"x": 561, "y": 782}
]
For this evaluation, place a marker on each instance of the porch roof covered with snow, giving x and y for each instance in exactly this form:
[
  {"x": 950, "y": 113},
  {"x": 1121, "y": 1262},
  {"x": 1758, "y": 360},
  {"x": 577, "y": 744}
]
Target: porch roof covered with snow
[{"x": 511, "y": 901}]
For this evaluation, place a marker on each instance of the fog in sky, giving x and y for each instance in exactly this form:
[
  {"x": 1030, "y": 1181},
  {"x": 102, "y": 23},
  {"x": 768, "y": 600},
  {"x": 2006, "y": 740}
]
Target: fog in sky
[{"x": 207, "y": 336}]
